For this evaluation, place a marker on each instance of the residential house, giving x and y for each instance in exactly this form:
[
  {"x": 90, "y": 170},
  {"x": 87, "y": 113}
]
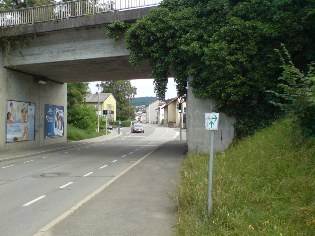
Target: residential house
[
  {"x": 106, "y": 102},
  {"x": 171, "y": 113},
  {"x": 151, "y": 112}
]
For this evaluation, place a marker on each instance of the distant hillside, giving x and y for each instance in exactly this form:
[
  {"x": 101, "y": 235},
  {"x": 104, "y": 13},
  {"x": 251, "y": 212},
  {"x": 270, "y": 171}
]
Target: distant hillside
[{"x": 142, "y": 101}]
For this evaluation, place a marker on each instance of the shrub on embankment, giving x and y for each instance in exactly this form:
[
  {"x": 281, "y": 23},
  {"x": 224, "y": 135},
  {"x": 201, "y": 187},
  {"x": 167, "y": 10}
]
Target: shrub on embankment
[{"x": 264, "y": 185}]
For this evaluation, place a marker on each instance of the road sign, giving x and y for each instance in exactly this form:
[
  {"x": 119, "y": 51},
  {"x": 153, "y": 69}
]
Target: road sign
[{"x": 211, "y": 121}]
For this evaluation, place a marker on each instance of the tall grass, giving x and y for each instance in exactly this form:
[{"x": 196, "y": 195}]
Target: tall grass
[
  {"x": 264, "y": 185},
  {"x": 75, "y": 134}
]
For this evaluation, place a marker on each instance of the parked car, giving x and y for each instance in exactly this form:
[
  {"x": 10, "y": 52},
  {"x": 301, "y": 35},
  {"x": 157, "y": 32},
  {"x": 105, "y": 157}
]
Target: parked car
[
  {"x": 137, "y": 128},
  {"x": 110, "y": 127}
]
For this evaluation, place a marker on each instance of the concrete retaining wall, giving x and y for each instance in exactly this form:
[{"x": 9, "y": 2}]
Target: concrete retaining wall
[
  {"x": 198, "y": 138},
  {"x": 21, "y": 87}
]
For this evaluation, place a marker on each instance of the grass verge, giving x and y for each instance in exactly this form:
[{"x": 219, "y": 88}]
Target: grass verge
[
  {"x": 75, "y": 134},
  {"x": 264, "y": 185}
]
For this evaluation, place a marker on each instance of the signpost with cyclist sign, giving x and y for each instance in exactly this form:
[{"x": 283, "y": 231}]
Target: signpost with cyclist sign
[{"x": 211, "y": 123}]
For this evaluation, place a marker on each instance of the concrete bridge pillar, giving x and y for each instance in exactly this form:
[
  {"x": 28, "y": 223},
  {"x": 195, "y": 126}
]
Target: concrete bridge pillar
[
  {"x": 21, "y": 87},
  {"x": 198, "y": 138}
]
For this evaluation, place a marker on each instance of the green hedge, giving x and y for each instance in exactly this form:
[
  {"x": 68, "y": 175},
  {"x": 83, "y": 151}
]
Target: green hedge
[{"x": 125, "y": 123}]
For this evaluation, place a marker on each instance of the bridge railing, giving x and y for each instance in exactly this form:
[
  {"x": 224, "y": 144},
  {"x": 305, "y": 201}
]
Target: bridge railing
[{"x": 69, "y": 9}]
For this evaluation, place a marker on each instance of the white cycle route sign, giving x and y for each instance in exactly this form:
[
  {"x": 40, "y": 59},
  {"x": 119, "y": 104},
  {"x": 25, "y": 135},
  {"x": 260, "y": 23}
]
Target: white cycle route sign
[{"x": 211, "y": 121}]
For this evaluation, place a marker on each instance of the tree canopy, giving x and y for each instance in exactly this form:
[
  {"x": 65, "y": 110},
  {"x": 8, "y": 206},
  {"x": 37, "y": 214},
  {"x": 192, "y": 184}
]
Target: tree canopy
[
  {"x": 228, "y": 48},
  {"x": 123, "y": 91},
  {"x": 15, "y": 4}
]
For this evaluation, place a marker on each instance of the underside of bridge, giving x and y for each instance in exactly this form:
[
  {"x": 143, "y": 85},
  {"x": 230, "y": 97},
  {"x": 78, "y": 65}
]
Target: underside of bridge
[{"x": 75, "y": 50}]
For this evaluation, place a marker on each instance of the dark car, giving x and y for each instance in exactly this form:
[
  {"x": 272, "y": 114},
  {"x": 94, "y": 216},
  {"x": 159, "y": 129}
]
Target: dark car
[
  {"x": 137, "y": 128},
  {"x": 110, "y": 127}
]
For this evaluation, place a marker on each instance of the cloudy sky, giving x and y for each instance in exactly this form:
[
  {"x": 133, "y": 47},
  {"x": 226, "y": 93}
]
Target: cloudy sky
[{"x": 145, "y": 88}]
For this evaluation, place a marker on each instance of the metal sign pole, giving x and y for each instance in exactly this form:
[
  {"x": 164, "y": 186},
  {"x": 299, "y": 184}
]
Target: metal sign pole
[
  {"x": 211, "y": 123},
  {"x": 210, "y": 171}
]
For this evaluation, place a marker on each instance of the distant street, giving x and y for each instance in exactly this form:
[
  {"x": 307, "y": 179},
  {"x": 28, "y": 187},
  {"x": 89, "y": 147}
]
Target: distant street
[{"x": 35, "y": 190}]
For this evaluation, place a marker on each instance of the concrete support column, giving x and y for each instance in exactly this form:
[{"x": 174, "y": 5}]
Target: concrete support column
[
  {"x": 3, "y": 94},
  {"x": 198, "y": 138}
]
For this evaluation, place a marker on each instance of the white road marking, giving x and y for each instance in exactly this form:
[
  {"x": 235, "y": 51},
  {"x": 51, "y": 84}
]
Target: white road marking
[
  {"x": 175, "y": 136},
  {"x": 130, "y": 153},
  {"x": 28, "y": 161},
  {"x": 63, "y": 186},
  {"x": 102, "y": 166},
  {"x": 66, "y": 152},
  {"x": 114, "y": 161},
  {"x": 3, "y": 167},
  {"x": 87, "y": 174},
  {"x": 136, "y": 150},
  {"x": 123, "y": 156},
  {"x": 47, "y": 227},
  {"x": 33, "y": 201},
  {"x": 44, "y": 157},
  {"x": 78, "y": 149},
  {"x": 136, "y": 136}
]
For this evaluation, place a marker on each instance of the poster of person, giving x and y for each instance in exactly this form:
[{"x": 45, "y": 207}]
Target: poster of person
[
  {"x": 54, "y": 121},
  {"x": 20, "y": 121}
]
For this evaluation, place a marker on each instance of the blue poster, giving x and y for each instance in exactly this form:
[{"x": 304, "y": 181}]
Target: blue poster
[
  {"x": 54, "y": 121},
  {"x": 20, "y": 121}
]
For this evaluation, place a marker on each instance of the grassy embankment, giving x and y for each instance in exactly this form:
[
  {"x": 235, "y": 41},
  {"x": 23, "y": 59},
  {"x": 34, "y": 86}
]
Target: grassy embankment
[
  {"x": 75, "y": 134},
  {"x": 264, "y": 185}
]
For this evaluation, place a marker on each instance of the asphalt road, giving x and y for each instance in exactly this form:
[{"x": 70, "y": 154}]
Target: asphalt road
[{"x": 37, "y": 189}]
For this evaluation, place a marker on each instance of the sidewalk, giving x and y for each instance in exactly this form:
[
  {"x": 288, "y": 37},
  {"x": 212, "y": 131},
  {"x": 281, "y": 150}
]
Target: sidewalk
[{"x": 138, "y": 203}]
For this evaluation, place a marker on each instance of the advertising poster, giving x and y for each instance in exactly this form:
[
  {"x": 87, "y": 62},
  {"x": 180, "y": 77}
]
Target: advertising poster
[
  {"x": 20, "y": 121},
  {"x": 54, "y": 121}
]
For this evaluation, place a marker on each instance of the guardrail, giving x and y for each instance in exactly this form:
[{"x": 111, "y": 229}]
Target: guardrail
[{"x": 68, "y": 10}]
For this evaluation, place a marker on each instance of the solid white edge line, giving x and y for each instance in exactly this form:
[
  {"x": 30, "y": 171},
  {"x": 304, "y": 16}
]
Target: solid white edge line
[
  {"x": 88, "y": 174},
  {"x": 67, "y": 184},
  {"x": 43, "y": 230},
  {"x": 103, "y": 166},
  {"x": 33, "y": 201}
]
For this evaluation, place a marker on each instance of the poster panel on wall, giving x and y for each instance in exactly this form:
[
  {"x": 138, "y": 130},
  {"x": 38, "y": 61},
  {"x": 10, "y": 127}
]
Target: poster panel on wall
[
  {"x": 54, "y": 121},
  {"x": 20, "y": 121}
]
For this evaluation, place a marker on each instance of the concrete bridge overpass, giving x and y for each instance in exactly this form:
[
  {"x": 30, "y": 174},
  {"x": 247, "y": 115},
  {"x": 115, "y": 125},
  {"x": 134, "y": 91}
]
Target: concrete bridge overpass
[{"x": 75, "y": 49}]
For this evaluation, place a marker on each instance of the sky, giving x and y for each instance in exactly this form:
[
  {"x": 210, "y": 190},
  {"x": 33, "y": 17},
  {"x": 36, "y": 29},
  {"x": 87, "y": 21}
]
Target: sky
[{"x": 145, "y": 88}]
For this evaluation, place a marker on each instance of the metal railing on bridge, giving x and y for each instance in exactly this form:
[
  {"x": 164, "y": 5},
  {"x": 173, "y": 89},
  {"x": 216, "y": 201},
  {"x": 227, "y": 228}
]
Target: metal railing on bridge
[{"x": 69, "y": 9}]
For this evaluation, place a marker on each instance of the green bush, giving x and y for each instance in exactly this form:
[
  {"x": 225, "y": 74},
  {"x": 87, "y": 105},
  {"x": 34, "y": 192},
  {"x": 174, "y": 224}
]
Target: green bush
[
  {"x": 75, "y": 134},
  {"x": 124, "y": 123},
  {"x": 83, "y": 117}
]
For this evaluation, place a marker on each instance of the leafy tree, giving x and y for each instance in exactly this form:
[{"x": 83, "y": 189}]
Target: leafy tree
[
  {"x": 296, "y": 95},
  {"x": 227, "y": 46},
  {"x": 15, "y": 4},
  {"x": 76, "y": 93},
  {"x": 83, "y": 116},
  {"x": 123, "y": 91}
]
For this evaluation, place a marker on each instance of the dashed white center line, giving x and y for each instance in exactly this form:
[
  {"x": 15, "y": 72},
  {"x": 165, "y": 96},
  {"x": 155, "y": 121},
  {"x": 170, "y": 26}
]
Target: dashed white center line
[
  {"x": 102, "y": 166},
  {"x": 28, "y": 161},
  {"x": 33, "y": 201},
  {"x": 3, "y": 167},
  {"x": 114, "y": 161},
  {"x": 63, "y": 186},
  {"x": 87, "y": 174},
  {"x": 78, "y": 149},
  {"x": 123, "y": 156},
  {"x": 44, "y": 157},
  {"x": 130, "y": 153},
  {"x": 136, "y": 150},
  {"x": 141, "y": 147},
  {"x": 66, "y": 152}
]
